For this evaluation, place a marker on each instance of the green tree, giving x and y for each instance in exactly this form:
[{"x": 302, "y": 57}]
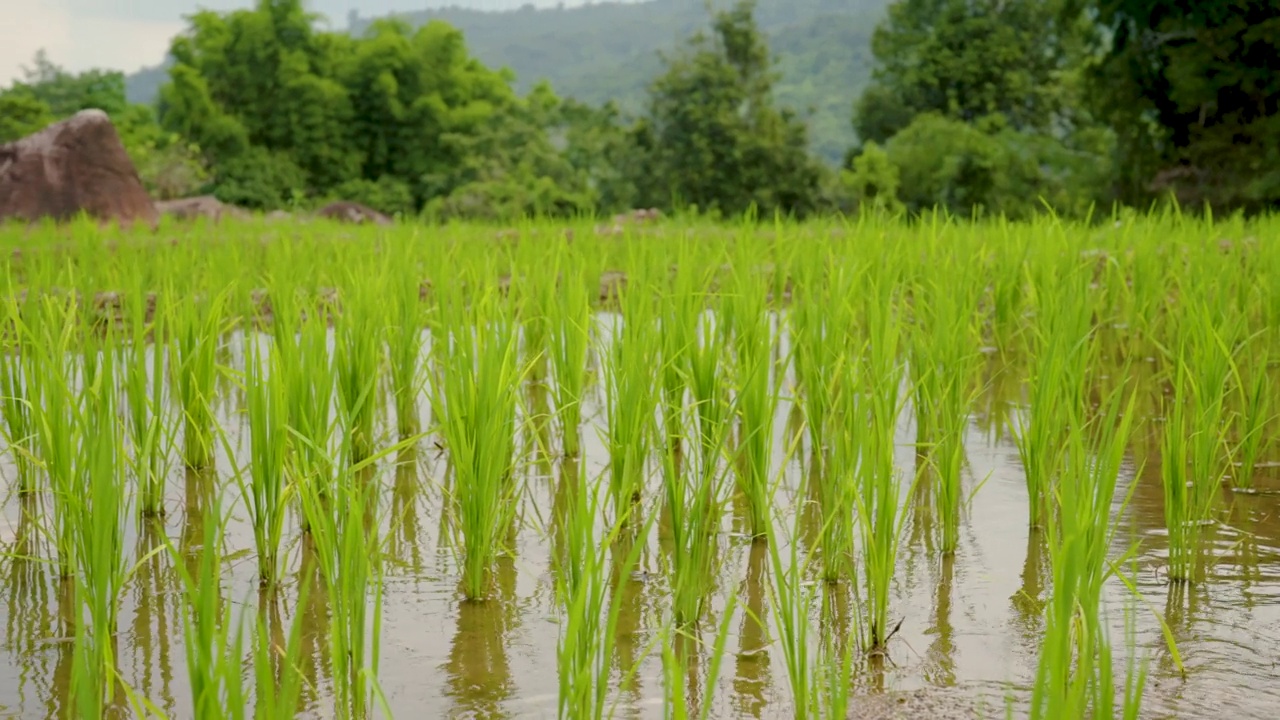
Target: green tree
[
  {"x": 1192, "y": 92},
  {"x": 419, "y": 99},
  {"x": 66, "y": 93},
  {"x": 600, "y": 146},
  {"x": 263, "y": 77},
  {"x": 980, "y": 105},
  {"x": 713, "y": 136},
  {"x": 399, "y": 118},
  {"x": 22, "y": 113},
  {"x": 969, "y": 59},
  {"x": 509, "y": 167}
]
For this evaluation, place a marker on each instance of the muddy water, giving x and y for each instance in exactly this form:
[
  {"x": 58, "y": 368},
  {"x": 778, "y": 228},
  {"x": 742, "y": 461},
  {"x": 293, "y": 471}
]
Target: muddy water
[{"x": 968, "y": 638}]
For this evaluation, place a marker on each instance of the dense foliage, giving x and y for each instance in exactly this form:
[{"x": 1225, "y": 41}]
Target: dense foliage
[
  {"x": 980, "y": 106},
  {"x": 609, "y": 52},
  {"x": 1193, "y": 93}
]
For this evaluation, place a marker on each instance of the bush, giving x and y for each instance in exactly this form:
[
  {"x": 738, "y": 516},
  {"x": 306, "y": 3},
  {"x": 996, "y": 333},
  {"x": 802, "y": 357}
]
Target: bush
[
  {"x": 388, "y": 195},
  {"x": 170, "y": 167},
  {"x": 260, "y": 180},
  {"x": 873, "y": 181},
  {"x": 990, "y": 168},
  {"x": 22, "y": 114},
  {"x": 509, "y": 199}
]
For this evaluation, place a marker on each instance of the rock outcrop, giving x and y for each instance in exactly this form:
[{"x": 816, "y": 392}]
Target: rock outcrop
[
  {"x": 76, "y": 165},
  {"x": 353, "y": 213},
  {"x": 202, "y": 206}
]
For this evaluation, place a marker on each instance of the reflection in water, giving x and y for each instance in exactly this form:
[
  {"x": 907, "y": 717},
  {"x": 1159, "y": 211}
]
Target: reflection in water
[
  {"x": 1000, "y": 386},
  {"x": 940, "y": 657},
  {"x": 314, "y": 645},
  {"x": 154, "y": 594},
  {"x": 1183, "y": 604},
  {"x": 404, "y": 532},
  {"x": 59, "y": 702},
  {"x": 628, "y": 643},
  {"x": 921, "y": 521},
  {"x": 751, "y": 672},
  {"x": 836, "y": 621},
  {"x": 29, "y": 622},
  {"x": 199, "y": 487},
  {"x": 565, "y": 482},
  {"x": 1028, "y": 601},
  {"x": 479, "y": 675},
  {"x": 687, "y": 655}
]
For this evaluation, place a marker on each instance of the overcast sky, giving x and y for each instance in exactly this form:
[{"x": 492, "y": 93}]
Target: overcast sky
[{"x": 130, "y": 34}]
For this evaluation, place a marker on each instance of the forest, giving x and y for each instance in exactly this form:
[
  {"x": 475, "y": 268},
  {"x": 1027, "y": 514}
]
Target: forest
[{"x": 992, "y": 107}]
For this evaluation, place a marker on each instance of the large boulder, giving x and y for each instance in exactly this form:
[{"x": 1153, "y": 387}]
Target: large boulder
[
  {"x": 75, "y": 165},
  {"x": 350, "y": 212}
]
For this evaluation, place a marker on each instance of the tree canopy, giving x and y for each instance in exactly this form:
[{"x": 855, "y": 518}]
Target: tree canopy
[
  {"x": 976, "y": 106},
  {"x": 1193, "y": 92}
]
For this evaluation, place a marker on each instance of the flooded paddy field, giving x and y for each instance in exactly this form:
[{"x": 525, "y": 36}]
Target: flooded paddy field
[{"x": 859, "y": 471}]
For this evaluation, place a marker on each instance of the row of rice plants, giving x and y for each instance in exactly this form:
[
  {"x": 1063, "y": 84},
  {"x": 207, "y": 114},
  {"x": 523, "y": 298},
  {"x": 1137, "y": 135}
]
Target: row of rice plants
[{"x": 687, "y": 373}]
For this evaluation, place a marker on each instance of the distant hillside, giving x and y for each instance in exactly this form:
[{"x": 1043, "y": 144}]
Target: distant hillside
[
  {"x": 610, "y": 51},
  {"x": 144, "y": 85}
]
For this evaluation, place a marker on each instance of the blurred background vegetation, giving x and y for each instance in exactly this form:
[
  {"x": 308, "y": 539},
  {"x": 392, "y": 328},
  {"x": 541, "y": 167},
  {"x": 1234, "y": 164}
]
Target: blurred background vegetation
[{"x": 797, "y": 106}]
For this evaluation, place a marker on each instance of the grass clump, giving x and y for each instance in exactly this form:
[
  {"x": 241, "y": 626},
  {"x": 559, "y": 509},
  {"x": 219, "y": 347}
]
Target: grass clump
[{"x": 475, "y": 399}]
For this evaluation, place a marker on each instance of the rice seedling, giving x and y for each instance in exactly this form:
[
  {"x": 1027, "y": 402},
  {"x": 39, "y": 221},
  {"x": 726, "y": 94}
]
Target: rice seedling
[
  {"x": 150, "y": 428},
  {"x": 630, "y": 398},
  {"x": 944, "y": 359},
  {"x": 405, "y": 323},
  {"x": 475, "y": 399},
  {"x": 570, "y": 345},
  {"x": 306, "y": 367},
  {"x": 589, "y": 628},
  {"x": 357, "y": 361},
  {"x": 1074, "y": 675},
  {"x": 1255, "y": 392},
  {"x": 213, "y": 636},
  {"x": 837, "y": 489},
  {"x": 1061, "y": 350},
  {"x": 880, "y": 514},
  {"x": 1190, "y": 452},
  {"x": 16, "y": 396},
  {"x": 756, "y": 401},
  {"x": 266, "y": 491},
  {"x": 818, "y": 339},
  {"x": 101, "y": 510},
  {"x": 55, "y": 419},
  {"x": 679, "y": 307},
  {"x": 348, "y": 550},
  {"x": 694, "y": 493},
  {"x": 197, "y": 328},
  {"x": 791, "y": 600}
]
